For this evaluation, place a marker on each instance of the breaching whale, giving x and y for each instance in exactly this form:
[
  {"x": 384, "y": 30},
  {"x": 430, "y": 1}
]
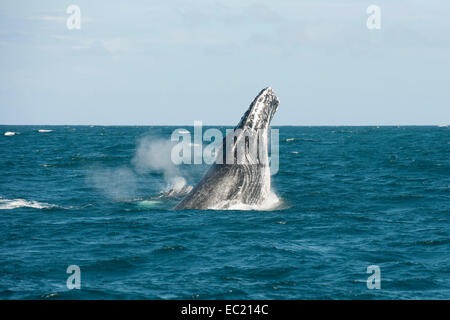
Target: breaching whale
[{"x": 241, "y": 173}]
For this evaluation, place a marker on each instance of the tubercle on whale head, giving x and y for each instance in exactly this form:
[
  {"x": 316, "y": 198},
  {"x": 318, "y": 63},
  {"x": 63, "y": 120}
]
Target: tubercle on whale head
[{"x": 261, "y": 111}]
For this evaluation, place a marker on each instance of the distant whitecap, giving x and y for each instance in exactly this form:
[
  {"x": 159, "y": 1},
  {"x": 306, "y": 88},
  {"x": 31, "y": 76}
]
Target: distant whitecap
[{"x": 7, "y": 204}]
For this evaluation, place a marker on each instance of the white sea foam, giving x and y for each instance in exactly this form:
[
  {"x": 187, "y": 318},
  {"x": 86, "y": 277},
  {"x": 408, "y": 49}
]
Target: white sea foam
[
  {"x": 10, "y": 133},
  {"x": 44, "y": 130},
  {"x": 290, "y": 139},
  {"x": 7, "y": 204},
  {"x": 272, "y": 202}
]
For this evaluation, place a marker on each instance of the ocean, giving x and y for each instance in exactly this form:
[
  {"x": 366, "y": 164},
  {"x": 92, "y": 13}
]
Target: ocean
[{"x": 97, "y": 197}]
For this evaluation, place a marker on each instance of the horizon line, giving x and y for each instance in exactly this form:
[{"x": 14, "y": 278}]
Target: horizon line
[{"x": 232, "y": 125}]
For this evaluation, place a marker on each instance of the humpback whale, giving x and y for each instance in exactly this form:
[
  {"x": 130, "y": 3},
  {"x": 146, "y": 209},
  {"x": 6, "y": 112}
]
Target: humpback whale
[{"x": 241, "y": 173}]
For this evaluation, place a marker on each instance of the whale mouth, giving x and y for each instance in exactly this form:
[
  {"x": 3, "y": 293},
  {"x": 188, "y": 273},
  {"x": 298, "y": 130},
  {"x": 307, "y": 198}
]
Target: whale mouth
[{"x": 261, "y": 111}]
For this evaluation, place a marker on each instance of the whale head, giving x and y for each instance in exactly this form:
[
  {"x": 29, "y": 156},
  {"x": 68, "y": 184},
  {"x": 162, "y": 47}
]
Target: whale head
[
  {"x": 261, "y": 111},
  {"x": 250, "y": 142}
]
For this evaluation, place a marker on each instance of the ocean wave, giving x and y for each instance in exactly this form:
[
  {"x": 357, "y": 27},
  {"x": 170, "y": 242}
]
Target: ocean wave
[
  {"x": 7, "y": 204},
  {"x": 45, "y": 130},
  {"x": 10, "y": 133},
  {"x": 301, "y": 140}
]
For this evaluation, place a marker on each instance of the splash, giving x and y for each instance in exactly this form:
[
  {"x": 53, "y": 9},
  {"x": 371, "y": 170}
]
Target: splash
[
  {"x": 177, "y": 184},
  {"x": 177, "y": 187},
  {"x": 155, "y": 155},
  {"x": 7, "y": 204},
  {"x": 152, "y": 154},
  {"x": 271, "y": 202}
]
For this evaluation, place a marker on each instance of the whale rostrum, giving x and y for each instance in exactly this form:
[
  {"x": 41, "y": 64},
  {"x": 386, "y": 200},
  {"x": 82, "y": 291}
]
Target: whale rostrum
[{"x": 241, "y": 173}]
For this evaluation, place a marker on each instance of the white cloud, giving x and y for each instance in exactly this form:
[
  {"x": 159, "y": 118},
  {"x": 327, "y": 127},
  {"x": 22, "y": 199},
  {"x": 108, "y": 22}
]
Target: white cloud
[
  {"x": 52, "y": 18},
  {"x": 60, "y": 19},
  {"x": 115, "y": 45}
]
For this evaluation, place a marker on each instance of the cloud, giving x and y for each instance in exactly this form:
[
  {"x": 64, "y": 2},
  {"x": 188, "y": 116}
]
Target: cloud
[
  {"x": 60, "y": 19},
  {"x": 115, "y": 45},
  {"x": 52, "y": 18},
  {"x": 102, "y": 47}
]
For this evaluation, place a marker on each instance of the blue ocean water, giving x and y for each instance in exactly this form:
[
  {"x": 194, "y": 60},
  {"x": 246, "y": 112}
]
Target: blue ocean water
[{"x": 351, "y": 197}]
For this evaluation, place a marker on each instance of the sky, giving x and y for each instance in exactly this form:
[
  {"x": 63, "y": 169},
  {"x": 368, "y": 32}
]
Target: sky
[{"x": 159, "y": 62}]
